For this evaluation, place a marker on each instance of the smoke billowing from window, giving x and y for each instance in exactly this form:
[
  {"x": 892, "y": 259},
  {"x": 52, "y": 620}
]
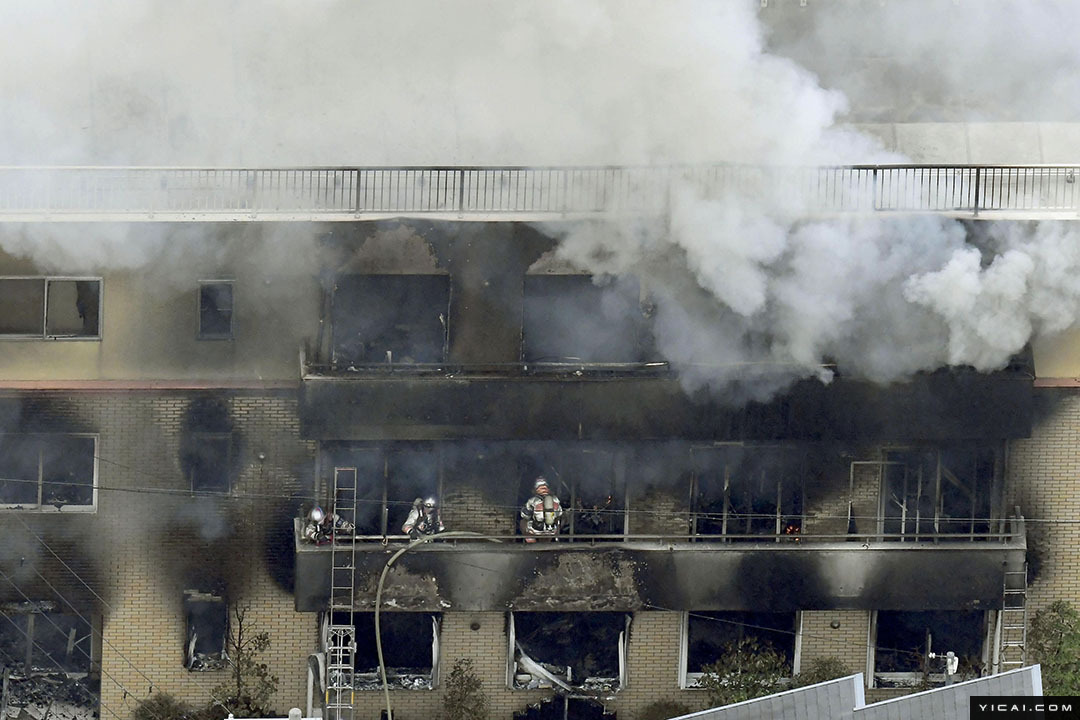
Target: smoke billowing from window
[{"x": 747, "y": 297}]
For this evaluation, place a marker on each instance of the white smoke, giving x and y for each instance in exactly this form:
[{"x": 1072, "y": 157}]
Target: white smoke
[{"x": 744, "y": 290}]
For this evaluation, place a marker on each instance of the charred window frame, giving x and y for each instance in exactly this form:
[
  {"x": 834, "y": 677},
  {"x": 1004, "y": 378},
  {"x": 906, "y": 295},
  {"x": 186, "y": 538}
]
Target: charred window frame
[
  {"x": 49, "y": 472},
  {"x": 589, "y": 482},
  {"x": 705, "y": 635},
  {"x": 743, "y": 492},
  {"x": 50, "y": 308},
  {"x": 411, "y": 648},
  {"x": 552, "y": 650},
  {"x": 207, "y": 619},
  {"x": 387, "y": 481},
  {"x": 43, "y": 640},
  {"x": 581, "y": 319},
  {"x": 216, "y": 299},
  {"x": 925, "y": 492},
  {"x": 209, "y": 461},
  {"x": 901, "y": 641},
  {"x": 388, "y": 319}
]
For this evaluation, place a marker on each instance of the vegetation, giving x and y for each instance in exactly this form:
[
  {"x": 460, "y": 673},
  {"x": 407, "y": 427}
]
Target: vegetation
[
  {"x": 465, "y": 698},
  {"x": 250, "y": 687},
  {"x": 1054, "y": 642},
  {"x": 662, "y": 710},
  {"x": 162, "y": 706},
  {"x": 821, "y": 670},
  {"x": 746, "y": 669}
]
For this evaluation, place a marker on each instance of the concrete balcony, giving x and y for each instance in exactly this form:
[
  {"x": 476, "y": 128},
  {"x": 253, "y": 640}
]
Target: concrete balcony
[{"x": 626, "y": 573}]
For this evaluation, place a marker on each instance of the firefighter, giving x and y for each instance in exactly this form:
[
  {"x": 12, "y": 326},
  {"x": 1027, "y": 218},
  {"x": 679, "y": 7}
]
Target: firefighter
[
  {"x": 321, "y": 526},
  {"x": 424, "y": 518},
  {"x": 541, "y": 514}
]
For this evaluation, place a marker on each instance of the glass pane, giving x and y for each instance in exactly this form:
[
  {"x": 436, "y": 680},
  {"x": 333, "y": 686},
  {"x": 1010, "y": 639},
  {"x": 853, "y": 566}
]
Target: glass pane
[
  {"x": 22, "y": 307},
  {"x": 73, "y": 308},
  {"x": 215, "y": 309}
]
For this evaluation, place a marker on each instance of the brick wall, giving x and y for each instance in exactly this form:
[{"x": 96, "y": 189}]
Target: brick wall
[
  {"x": 827, "y": 499},
  {"x": 150, "y": 538},
  {"x": 1043, "y": 479},
  {"x": 848, "y": 641}
]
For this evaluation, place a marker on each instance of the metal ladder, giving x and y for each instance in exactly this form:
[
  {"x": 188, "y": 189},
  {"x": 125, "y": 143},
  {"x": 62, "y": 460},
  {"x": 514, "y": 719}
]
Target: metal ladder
[
  {"x": 1012, "y": 621},
  {"x": 341, "y": 642}
]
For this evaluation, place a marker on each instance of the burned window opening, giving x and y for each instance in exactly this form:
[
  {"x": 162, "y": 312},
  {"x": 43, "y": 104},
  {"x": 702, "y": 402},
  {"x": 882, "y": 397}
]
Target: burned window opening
[
  {"x": 388, "y": 319},
  {"x": 590, "y": 484},
  {"x": 388, "y": 481},
  {"x": 742, "y": 492},
  {"x": 48, "y": 472},
  {"x": 215, "y": 309},
  {"x": 50, "y": 308},
  {"x": 410, "y": 642},
  {"x": 708, "y": 635},
  {"x": 903, "y": 642},
  {"x": 40, "y": 641},
  {"x": 947, "y": 491},
  {"x": 570, "y": 652},
  {"x": 210, "y": 461},
  {"x": 207, "y": 618},
  {"x": 574, "y": 318}
]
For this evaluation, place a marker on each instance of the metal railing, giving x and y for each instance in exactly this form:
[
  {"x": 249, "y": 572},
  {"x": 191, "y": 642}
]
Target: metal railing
[{"x": 495, "y": 192}]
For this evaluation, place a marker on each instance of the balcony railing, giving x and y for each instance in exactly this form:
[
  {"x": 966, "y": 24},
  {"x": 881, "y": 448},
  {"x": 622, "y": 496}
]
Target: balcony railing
[{"x": 494, "y": 193}]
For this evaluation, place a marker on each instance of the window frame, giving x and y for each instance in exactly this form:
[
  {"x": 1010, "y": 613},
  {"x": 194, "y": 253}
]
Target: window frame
[
  {"x": 436, "y": 649},
  {"x": 623, "y": 648},
  {"x": 38, "y": 506},
  {"x": 44, "y": 334},
  {"x": 690, "y": 680},
  {"x": 903, "y": 679},
  {"x": 203, "y": 335},
  {"x": 191, "y": 598}
]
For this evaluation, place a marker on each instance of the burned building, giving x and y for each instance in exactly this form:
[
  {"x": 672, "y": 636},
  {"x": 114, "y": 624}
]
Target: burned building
[{"x": 374, "y": 337}]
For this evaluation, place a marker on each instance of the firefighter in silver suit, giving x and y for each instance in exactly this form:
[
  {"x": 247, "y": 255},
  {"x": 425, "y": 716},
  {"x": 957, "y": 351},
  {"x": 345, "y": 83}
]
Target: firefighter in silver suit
[{"x": 541, "y": 515}]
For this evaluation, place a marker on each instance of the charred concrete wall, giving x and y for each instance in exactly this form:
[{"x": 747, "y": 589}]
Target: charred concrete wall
[{"x": 150, "y": 538}]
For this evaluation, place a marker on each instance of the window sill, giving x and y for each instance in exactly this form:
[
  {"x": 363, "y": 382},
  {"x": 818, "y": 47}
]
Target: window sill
[{"x": 80, "y": 509}]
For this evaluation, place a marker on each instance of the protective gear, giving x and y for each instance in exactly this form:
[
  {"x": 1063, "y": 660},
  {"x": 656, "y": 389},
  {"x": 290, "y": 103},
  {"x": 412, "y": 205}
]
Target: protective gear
[
  {"x": 423, "y": 518},
  {"x": 541, "y": 514},
  {"x": 322, "y": 526}
]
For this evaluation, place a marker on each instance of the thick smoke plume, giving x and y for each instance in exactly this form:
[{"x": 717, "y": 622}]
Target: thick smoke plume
[{"x": 747, "y": 295}]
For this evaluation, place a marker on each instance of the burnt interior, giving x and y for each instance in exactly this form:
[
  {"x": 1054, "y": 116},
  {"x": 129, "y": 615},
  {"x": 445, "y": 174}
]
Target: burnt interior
[
  {"x": 711, "y": 634},
  {"x": 50, "y": 307},
  {"x": 748, "y": 491},
  {"x": 207, "y": 619},
  {"x": 579, "y": 318},
  {"x": 57, "y": 467},
  {"x": 407, "y": 641},
  {"x": 390, "y": 319},
  {"x": 209, "y": 449},
  {"x": 575, "y": 646},
  {"x": 905, "y": 639},
  {"x": 388, "y": 479}
]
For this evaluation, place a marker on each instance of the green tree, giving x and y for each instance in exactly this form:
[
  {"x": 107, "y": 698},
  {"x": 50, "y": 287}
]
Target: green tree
[
  {"x": 250, "y": 686},
  {"x": 162, "y": 706},
  {"x": 1054, "y": 642},
  {"x": 465, "y": 698},
  {"x": 746, "y": 669},
  {"x": 821, "y": 670},
  {"x": 662, "y": 710}
]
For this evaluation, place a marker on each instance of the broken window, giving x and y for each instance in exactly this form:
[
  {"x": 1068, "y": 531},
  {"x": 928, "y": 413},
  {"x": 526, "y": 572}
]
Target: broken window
[
  {"x": 745, "y": 492},
  {"x": 50, "y": 307},
  {"x": 45, "y": 472},
  {"x": 903, "y": 642},
  {"x": 930, "y": 492},
  {"x": 390, "y": 319},
  {"x": 209, "y": 462},
  {"x": 207, "y": 617},
  {"x": 35, "y": 636},
  {"x": 388, "y": 481},
  {"x": 579, "y": 318},
  {"x": 708, "y": 635},
  {"x": 410, "y": 643},
  {"x": 572, "y": 651},
  {"x": 215, "y": 309},
  {"x": 589, "y": 482}
]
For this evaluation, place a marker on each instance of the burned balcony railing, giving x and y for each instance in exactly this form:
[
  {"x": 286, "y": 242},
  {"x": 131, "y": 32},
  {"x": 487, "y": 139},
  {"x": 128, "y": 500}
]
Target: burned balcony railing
[{"x": 500, "y": 193}]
